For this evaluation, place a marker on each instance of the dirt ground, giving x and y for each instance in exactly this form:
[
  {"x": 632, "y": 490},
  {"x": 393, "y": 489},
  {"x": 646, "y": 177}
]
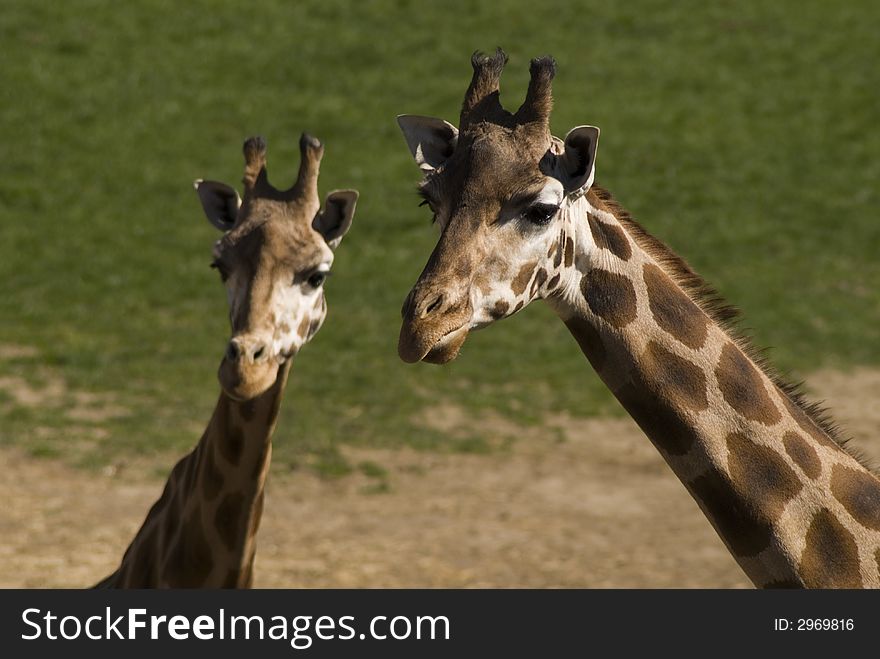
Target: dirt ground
[{"x": 580, "y": 503}]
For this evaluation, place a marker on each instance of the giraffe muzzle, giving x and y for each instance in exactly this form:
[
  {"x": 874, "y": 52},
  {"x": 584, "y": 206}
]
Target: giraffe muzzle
[
  {"x": 435, "y": 325},
  {"x": 247, "y": 369}
]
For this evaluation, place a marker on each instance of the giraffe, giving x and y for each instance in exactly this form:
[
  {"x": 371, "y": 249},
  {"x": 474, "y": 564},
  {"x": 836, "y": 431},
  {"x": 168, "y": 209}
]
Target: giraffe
[
  {"x": 520, "y": 219},
  {"x": 275, "y": 253}
]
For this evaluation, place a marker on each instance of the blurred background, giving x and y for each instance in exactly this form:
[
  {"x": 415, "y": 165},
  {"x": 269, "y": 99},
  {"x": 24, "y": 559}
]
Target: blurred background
[{"x": 744, "y": 134}]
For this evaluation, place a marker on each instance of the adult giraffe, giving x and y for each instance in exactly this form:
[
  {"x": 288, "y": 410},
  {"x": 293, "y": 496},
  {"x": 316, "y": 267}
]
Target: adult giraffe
[
  {"x": 275, "y": 253},
  {"x": 520, "y": 219}
]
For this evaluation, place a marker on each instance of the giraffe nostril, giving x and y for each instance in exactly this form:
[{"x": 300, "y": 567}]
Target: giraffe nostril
[
  {"x": 431, "y": 308},
  {"x": 259, "y": 352},
  {"x": 232, "y": 351}
]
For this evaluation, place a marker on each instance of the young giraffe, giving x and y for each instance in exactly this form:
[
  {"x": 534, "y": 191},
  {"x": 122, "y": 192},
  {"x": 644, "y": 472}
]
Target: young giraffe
[
  {"x": 275, "y": 253},
  {"x": 520, "y": 220}
]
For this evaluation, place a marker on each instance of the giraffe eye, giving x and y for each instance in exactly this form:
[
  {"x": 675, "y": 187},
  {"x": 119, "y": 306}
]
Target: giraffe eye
[
  {"x": 540, "y": 214},
  {"x": 316, "y": 279}
]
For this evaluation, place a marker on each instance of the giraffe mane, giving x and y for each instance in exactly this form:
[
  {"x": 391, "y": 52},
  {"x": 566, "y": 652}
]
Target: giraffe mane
[{"x": 726, "y": 316}]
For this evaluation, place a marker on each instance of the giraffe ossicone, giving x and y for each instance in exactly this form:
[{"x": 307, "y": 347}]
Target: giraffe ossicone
[
  {"x": 274, "y": 255},
  {"x": 520, "y": 219}
]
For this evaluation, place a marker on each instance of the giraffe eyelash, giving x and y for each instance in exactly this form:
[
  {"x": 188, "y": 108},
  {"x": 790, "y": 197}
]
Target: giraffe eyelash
[
  {"x": 426, "y": 201},
  {"x": 218, "y": 266}
]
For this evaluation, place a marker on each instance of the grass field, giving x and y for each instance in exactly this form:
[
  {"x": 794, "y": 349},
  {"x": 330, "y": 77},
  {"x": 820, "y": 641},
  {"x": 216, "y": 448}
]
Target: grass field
[{"x": 742, "y": 133}]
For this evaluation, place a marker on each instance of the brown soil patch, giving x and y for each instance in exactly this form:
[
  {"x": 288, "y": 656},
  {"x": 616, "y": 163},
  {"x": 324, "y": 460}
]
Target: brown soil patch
[
  {"x": 17, "y": 351},
  {"x": 46, "y": 388},
  {"x": 577, "y": 503}
]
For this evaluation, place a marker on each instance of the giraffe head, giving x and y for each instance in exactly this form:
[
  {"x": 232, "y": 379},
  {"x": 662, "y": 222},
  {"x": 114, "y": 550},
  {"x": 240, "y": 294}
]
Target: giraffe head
[
  {"x": 496, "y": 186},
  {"x": 274, "y": 255}
]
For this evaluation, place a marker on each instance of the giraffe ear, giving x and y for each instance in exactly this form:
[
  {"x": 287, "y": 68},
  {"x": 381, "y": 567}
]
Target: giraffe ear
[
  {"x": 220, "y": 203},
  {"x": 431, "y": 141},
  {"x": 334, "y": 220},
  {"x": 576, "y": 165}
]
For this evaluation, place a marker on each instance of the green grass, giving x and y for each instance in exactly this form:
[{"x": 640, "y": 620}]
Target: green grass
[{"x": 742, "y": 133}]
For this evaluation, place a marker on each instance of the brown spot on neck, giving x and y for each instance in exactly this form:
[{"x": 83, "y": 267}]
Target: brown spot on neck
[
  {"x": 247, "y": 409},
  {"x": 859, "y": 493},
  {"x": 610, "y": 296},
  {"x": 746, "y": 533},
  {"x": 674, "y": 378},
  {"x": 808, "y": 425},
  {"x": 663, "y": 390},
  {"x": 761, "y": 477},
  {"x": 610, "y": 237},
  {"x": 831, "y": 556},
  {"x": 229, "y": 519},
  {"x": 232, "y": 444},
  {"x": 190, "y": 561},
  {"x": 212, "y": 477},
  {"x": 674, "y": 312},
  {"x": 803, "y": 454},
  {"x": 743, "y": 388},
  {"x": 667, "y": 428}
]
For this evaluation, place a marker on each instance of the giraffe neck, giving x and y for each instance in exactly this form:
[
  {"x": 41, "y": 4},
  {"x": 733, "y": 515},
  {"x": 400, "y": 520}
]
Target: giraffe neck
[
  {"x": 201, "y": 532},
  {"x": 792, "y": 506}
]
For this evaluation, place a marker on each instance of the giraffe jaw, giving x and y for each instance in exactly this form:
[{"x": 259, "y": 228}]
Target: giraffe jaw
[{"x": 448, "y": 347}]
